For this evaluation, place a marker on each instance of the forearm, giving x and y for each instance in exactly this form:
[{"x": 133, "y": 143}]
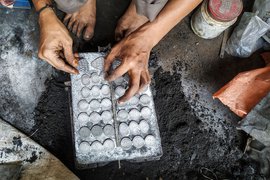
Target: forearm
[
  {"x": 171, "y": 14},
  {"x": 40, "y": 3}
]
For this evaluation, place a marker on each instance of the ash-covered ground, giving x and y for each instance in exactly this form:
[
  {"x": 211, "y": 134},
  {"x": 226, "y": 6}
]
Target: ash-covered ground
[{"x": 197, "y": 132}]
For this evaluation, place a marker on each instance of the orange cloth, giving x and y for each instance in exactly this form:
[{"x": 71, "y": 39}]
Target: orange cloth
[{"x": 246, "y": 89}]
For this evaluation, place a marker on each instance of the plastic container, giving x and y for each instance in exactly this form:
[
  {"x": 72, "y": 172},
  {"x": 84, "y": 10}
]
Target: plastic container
[{"x": 215, "y": 16}]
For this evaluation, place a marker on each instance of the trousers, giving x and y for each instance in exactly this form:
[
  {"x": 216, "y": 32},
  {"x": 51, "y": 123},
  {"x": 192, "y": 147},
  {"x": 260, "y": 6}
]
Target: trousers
[{"x": 147, "y": 8}]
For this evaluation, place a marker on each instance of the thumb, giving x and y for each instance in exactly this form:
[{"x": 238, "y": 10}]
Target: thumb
[{"x": 70, "y": 58}]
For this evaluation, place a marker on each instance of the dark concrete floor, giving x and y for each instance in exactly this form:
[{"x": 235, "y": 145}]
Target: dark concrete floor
[{"x": 196, "y": 130}]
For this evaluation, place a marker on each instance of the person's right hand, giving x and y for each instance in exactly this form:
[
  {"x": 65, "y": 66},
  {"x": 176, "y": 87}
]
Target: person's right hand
[{"x": 55, "y": 45}]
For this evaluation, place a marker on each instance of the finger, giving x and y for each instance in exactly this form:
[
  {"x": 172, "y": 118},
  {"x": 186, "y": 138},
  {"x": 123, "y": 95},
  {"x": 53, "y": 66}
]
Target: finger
[
  {"x": 76, "y": 55},
  {"x": 118, "y": 72},
  {"x": 66, "y": 19},
  {"x": 60, "y": 64},
  {"x": 61, "y": 54},
  {"x": 89, "y": 32},
  {"x": 70, "y": 56},
  {"x": 145, "y": 80},
  {"x": 134, "y": 84},
  {"x": 80, "y": 28},
  {"x": 109, "y": 59},
  {"x": 75, "y": 27},
  {"x": 119, "y": 33},
  {"x": 70, "y": 24},
  {"x": 128, "y": 32}
]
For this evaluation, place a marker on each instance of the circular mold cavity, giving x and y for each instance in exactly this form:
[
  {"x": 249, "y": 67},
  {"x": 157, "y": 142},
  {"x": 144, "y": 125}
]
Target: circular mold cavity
[
  {"x": 95, "y": 78},
  {"x": 134, "y": 114},
  {"x": 106, "y": 103},
  {"x": 84, "y": 147},
  {"x": 84, "y": 132},
  {"x": 96, "y": 130},
  {"x": 150, "y": 141},
  {"x": 134, "y": 128},
  {"x": 145, "y": 99},
  {"x": 83, "y": 105},
  {"x": 85, "y": 92},
  {"x": 134, "y": 100},
  {"x": 106, "y": 116},
  {"x": 146, "y": 112},
  {"x": 120, "y": 91},
  {"x": 138, "y": 142},
  {"x": 108, "y": 144},
  {"x": 144, "y": 126},
  {"x": 126, "y": 143},
  {"x": 95, "y": 91},
  {"x": 105, "y": 89},
  {"x": 108, "y": 130},
  {"x": 124, "y": 129},
  {"x": 96, "y": 146},
  {"x": 123, "y": 115},
  {"x": 95, "y": 117},
  {"x": 85, "y": 79},
  {"x": 83, "y": 117},
  {"x": 94, "y": 104}
]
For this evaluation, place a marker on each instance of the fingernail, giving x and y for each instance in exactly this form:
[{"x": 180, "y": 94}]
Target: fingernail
[
  {"x": 120, "y": 102},
  {"x": 75, "y": 62}
]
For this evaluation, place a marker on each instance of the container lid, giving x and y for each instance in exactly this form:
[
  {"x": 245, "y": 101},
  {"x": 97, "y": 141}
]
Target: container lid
[{"x": 225, "y": 10}]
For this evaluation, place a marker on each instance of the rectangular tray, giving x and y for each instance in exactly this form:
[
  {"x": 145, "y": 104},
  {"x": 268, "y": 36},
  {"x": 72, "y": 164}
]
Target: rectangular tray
[{"x": 124, "y": 132}]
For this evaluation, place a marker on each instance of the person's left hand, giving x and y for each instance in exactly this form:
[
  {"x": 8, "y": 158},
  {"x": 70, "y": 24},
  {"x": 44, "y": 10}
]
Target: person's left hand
[{"x": 133, "y": 51}]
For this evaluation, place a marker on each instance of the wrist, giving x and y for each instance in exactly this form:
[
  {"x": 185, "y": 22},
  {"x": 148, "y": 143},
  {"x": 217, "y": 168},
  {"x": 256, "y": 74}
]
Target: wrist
[
  {"x": 150, "y": 34},
  {"x": 46, "y": 15}
]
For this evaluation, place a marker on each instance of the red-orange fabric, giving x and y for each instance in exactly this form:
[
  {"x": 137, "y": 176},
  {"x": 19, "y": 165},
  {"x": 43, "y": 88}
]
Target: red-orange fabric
[{"x": 246, "y": 89}]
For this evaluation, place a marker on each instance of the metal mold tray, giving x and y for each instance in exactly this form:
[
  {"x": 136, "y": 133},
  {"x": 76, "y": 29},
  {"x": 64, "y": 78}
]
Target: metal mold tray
[{"x": 104, "y": 131}]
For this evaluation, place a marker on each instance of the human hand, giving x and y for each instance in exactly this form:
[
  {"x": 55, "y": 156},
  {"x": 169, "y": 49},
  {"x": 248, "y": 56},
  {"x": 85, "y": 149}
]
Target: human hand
[
  {"x": 55, "y": 43},
  {"x": 133, "y": 51}
]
